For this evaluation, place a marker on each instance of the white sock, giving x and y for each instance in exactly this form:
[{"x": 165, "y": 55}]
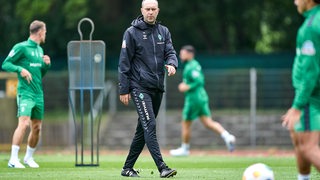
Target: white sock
[
  {"x": 29, "y": 152},
  {"x": 304, "y": 177},
  {"x": 185, "y": 146},
  {"x": 14, "y": 152},
  {"x": 225, "y": 135}
]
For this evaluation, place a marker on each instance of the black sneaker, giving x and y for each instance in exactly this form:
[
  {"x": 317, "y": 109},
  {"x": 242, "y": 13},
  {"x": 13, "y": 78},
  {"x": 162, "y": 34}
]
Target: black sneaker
[
  {"x": 129, "y": 172},
  {"x": 167, "y": 172}
]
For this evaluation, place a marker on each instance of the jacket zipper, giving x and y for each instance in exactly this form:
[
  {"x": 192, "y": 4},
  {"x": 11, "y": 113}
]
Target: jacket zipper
[{"x": 155, "y": 57}]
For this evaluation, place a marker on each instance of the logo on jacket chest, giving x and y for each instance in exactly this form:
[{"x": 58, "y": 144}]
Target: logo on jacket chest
[
  {"x": 35, "y": 58},
  {"x": 35, "y": 65},
  {"x": 308, "y": 48},
  {"x": 36, "y": 54},
  {"x": 160, "y": 38},
  {"x": 144, "y": 35}
]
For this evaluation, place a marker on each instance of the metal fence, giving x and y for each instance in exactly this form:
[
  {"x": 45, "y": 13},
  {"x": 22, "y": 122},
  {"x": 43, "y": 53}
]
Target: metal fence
[{"x": 228, "y": 89}]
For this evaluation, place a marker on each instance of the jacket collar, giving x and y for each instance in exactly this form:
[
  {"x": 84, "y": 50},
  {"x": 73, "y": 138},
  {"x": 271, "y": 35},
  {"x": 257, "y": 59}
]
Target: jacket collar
[
  {"x": 141, "y": 24},
  {"x": 31, "y": 42},
  {"x": 311, "y": 11}
]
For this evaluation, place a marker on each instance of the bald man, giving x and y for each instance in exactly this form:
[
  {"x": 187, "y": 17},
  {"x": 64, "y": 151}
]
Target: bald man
[
  {"x": 303, "y": 118},
  {"x": 146, "y": 52}
]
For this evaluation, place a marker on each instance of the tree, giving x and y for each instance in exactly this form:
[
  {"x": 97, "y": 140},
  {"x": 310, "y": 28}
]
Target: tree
[{"x": 221, "y": 26}]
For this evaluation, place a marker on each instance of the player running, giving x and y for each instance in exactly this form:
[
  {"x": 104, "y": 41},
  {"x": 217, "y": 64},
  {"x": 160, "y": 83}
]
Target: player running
[
  {"x": 28, "y": 61},
  {"x": 303, "y": 118},
  {"x": 146, "y": 50},
  {"x": 196, "y": 103}
]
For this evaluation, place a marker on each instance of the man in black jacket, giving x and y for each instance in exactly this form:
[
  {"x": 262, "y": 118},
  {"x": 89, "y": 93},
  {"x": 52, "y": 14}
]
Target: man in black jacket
[{"x": 146, "y": 51}]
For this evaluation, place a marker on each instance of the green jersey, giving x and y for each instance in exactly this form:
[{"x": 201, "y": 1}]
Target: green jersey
[
  {"x": 193, "y": 76},
  {"x": 27, "y": 55},
  {"x": 306, "y": 68}
]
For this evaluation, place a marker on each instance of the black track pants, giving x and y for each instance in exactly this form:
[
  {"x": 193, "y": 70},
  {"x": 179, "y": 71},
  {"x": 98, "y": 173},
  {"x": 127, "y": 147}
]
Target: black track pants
[{"x": 147, "y": 105}]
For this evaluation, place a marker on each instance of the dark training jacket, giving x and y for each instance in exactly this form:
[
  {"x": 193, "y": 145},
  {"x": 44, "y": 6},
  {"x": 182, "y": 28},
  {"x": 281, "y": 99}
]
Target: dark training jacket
[{"x": 145, "y": 51}]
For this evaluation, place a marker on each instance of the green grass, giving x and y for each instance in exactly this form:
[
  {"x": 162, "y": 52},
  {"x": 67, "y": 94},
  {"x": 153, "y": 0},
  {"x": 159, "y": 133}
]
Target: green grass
[{"x": 61, "y": 167}]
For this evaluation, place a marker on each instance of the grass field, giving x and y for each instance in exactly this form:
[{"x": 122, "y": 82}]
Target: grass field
[{"x": 222, "y": 167}]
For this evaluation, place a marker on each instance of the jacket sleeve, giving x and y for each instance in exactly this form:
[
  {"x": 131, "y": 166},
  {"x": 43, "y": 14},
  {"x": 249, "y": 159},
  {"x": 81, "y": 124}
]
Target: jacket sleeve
[
  {"x": 310, "y": 69},
  {"x": 170, "y": 53},
  {"x": 124, "y": 67},
  {"x": 9, "y": 63}
]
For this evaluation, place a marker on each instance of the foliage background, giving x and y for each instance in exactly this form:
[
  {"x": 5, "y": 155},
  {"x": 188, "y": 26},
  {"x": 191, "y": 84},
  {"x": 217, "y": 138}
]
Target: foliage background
[{"x": 214, "y": 27}]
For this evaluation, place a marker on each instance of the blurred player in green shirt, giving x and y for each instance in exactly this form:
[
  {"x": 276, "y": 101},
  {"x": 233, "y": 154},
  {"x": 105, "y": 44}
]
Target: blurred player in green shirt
[
  {"x": 28, "y": 61},
  {"x": 303, "y": 118},
  {"x": 196, "y": 103}
]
